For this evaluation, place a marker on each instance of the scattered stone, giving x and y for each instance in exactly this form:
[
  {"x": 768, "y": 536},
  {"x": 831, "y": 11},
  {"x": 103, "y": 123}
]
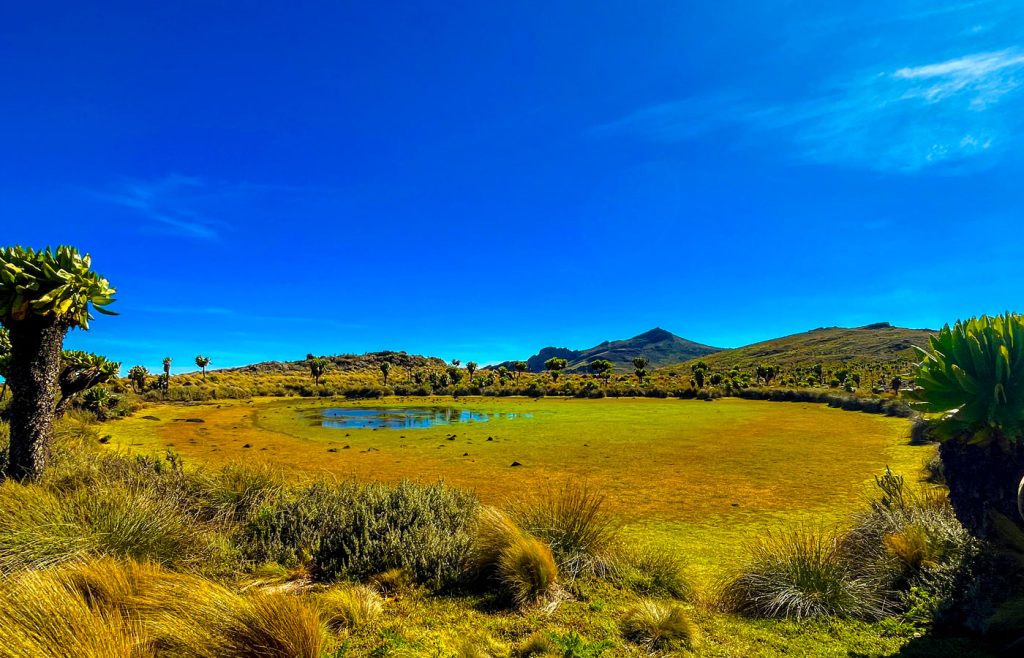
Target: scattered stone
[
  {"x": 516, "y": 464},
  {"x": 372, "y": 450},
  {"x": 465, "y": 454},
  {"x": 490, "y": 438},
  {"x": 346, "y": 448},
  {"x": 332, "y": 450},
  {"x": 735, "y": 504},
  {"x": 105, "y": 439},
  {"x": 150, "y": 418},
  {"x": 451, "y": 438},
  {"x": 247, "y": 445}
]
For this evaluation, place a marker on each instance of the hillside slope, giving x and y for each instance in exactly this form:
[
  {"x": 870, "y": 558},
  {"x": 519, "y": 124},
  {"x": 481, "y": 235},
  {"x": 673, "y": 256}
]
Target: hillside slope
[
  {"x": 875, "y": 343},
  {"x": 660, "y": 346},
  {"x": 344, "y": 363}
]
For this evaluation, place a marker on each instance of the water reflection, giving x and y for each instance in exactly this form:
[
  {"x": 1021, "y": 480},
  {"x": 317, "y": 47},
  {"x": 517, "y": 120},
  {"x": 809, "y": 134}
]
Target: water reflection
[{"x": 406, "y": 417}]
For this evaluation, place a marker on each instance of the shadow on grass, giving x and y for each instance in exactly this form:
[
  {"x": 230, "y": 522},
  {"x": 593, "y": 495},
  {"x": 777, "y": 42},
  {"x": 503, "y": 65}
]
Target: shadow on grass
[{"x": 940, "y": 646}]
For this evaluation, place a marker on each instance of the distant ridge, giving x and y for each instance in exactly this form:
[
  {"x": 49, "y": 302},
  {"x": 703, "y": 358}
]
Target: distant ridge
[
  {"x": 873, "y": 343},
  {"x": 661, "y": 347}
]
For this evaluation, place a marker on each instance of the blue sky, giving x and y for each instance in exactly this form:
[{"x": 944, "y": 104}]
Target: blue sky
[{"x": 477, "y": 180}]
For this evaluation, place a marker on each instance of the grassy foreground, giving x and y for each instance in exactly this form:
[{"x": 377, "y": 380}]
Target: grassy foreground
[
  {"x": 117, "y": 554},
  {"x": 684, "y": 474}
]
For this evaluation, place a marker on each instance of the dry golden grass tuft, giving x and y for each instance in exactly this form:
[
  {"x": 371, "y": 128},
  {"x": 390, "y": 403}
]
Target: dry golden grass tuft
[
  {"x": 349, "y": 607},
  {"x": 658, "y": 626}
]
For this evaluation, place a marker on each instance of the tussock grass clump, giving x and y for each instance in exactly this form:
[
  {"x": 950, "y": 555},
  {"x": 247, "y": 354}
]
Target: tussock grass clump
[
  {"x": 480, "y": 647},
  {"x": 130, "y": 523},
  {"x": 390, "y": 582},
  {"x": 275, "y": 626},
  {"x": 798, "y": 574},
  {"x": 349, "y": 607},
  {"x": 493, "y": 530},
  {"x": 527, "y": 571},
  {"x": 658, "y": 626},
  {"x": 39, "y": 618},
  {"x": 236, "y": 492},
  {"x": 649, "y": 571},
  {"x": 37, "y": 529},
  {"x": 574, "y": 524},
  {"x": 523, "y": 565}
]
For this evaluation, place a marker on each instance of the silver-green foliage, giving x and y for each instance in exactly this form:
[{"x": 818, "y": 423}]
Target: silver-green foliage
[
  {"x": 974, "y": 374},
  {"x": 57, "y": 284}
]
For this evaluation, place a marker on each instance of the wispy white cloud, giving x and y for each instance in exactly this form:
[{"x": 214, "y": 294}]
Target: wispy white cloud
[
  {"x": 189, "y": 206},
  {"x": 905, "y": 118},
  {"x": 167, "y": 203}
]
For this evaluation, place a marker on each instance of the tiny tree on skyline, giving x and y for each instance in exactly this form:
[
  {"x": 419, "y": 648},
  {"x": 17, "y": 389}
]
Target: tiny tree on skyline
[
  {"x": 202, "y": 362},
  {"x": 555, "y": 365},
  {"x": 640, "y": 368}
]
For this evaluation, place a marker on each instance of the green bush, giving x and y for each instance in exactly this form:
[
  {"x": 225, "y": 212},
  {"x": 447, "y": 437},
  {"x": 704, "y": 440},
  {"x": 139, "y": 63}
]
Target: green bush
[
  {"x": 350, "y": 530},
  {"x": 913, "y": 548}
]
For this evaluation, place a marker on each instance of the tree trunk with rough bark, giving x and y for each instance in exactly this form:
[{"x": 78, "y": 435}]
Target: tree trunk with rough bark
[
  {"x": 983, "y": 478},
  {"x": 33, "y": 372}
]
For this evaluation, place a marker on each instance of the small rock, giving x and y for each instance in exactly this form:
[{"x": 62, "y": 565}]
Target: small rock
[
  {"x": 372, "y": 450},
  {"x": 105, "y": 439},
  {"x": 150, "y": 418},
  {"x": 346, "y": 448},
  {"x": 332, "y": 450},
  {"x": 247, "y": 445},
  {"x": 515, "y": 464},
  {"x": 490, "y": 438},
  {"x": 465, "y": 454}
]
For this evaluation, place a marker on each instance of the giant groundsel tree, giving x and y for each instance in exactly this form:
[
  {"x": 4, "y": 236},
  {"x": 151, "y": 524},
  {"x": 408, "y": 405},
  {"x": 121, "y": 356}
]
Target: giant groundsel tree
[
  {"x": 973, "y": 375},
  {"x": 43, "y": 294}
]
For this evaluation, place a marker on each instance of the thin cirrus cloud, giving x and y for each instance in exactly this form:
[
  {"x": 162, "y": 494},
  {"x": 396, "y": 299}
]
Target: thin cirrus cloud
[
  {"x": 190, "y": 206},
  {"x": 904, "y": 119},
  {"x": 167, "y": 203}
]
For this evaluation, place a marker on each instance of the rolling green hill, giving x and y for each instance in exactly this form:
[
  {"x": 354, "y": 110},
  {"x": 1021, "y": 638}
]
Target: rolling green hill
[{"x": 875, "y": 343}]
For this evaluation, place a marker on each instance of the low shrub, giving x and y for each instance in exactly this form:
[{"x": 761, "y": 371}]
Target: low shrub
[
  {"x": 798, "y": 574},
  {"x": 348, "y": 530},
  {"x": 658, "y": 626},
  {"x": 912, "y": 546}
]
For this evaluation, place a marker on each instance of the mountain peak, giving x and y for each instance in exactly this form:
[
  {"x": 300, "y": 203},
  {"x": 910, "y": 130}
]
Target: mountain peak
[
  {"x": 658, "y": 345},
  {"x": 655, "y": 335}
]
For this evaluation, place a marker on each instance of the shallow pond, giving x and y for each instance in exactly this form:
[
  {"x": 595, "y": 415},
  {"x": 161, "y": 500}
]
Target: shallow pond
[{"x": 406, "y": 417}]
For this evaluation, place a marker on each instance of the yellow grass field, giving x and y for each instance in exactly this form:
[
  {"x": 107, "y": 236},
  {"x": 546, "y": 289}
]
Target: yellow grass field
[{"x": 700, "y": 477}]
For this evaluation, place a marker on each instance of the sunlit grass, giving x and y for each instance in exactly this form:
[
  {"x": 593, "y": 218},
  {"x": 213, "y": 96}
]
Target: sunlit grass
[{"x": 687, "y": 472}]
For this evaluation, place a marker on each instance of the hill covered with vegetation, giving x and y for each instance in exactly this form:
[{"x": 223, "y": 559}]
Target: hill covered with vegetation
[
  {"x": 879, "y": 343},
  {"x": 344, "y": 363},
  {"x": 659, "y": 346}
]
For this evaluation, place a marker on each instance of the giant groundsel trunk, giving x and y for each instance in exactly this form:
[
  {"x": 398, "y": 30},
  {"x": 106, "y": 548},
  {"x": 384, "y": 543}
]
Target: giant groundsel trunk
[{"x": 34, "y": 367}]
